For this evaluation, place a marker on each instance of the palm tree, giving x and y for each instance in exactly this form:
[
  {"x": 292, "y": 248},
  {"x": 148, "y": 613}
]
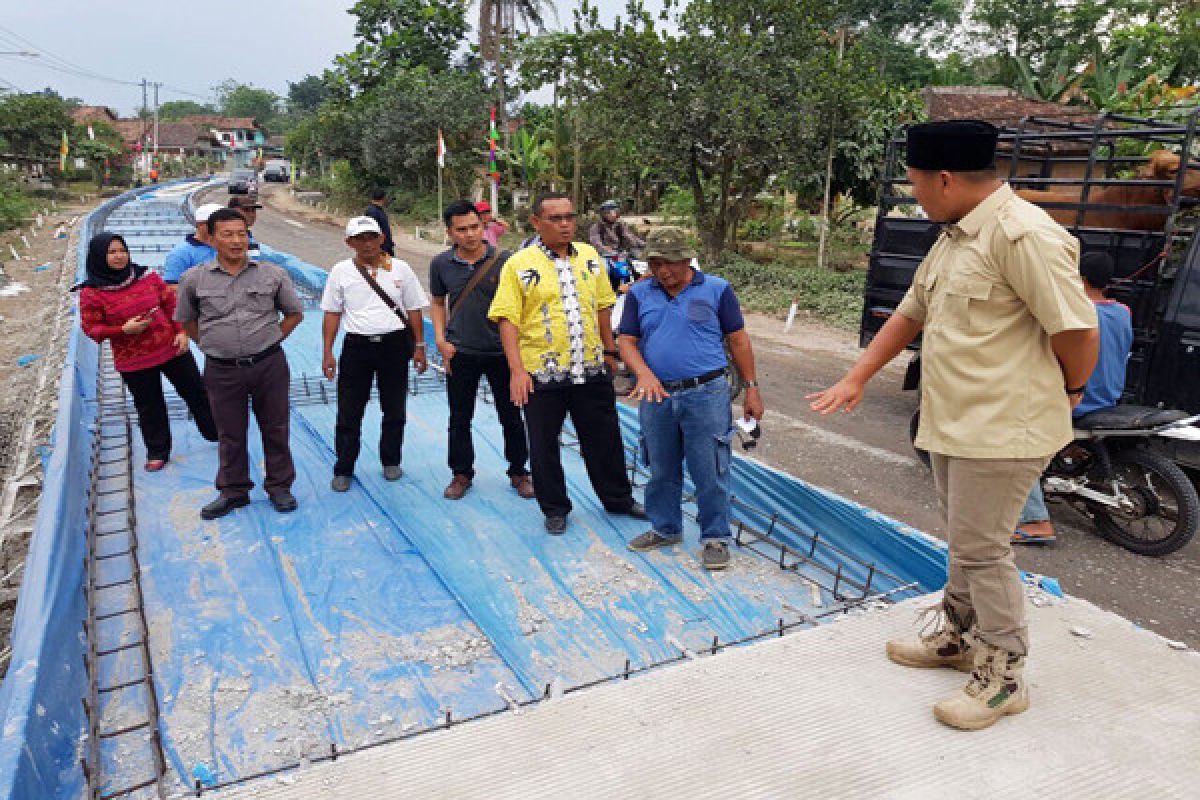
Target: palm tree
[{"x": 497, "y": 26}]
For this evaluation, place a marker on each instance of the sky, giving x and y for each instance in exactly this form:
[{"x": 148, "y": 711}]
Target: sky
[{"x": 95, "y": 50}]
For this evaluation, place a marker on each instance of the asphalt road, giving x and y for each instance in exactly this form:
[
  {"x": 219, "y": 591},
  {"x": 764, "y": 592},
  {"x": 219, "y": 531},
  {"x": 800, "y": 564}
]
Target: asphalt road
[{"x": 866, "y": 455}]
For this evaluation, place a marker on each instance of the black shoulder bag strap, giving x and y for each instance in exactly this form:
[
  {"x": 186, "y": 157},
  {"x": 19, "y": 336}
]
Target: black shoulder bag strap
[
  {"x": 476, "y": 279},
  {"x": 396, "y": 308}
]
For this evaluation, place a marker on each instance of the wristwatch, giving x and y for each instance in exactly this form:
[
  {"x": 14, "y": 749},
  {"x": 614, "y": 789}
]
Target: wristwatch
[
  {"x": 613, "y": 353},
  {"x": 1077, "y": 390},
  {"x": 750, "y": 384},
  {"x": 420, "y": 345}
]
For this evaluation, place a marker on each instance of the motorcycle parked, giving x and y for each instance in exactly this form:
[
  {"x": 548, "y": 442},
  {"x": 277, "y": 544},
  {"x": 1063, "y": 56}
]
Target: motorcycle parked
[
  {"x": 1113, "y": 474},
  {"x": 1137, "y": 497}
]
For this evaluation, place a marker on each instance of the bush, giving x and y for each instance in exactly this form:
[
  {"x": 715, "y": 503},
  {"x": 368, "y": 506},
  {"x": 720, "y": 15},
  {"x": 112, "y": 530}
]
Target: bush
[
  {"x": 14, "y": 205},
  {"x": 835, "y": 297},
  {"x": 678, "y": 205}
]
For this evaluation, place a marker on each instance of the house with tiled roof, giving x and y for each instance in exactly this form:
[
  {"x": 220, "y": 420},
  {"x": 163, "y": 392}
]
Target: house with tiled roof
[
  {"x": 86, "y": 114},
  {"x": 241, "y": 138}
]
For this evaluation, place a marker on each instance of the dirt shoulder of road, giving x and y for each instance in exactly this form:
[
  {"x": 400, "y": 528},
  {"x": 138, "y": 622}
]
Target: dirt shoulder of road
[{"x": 35, "y": 323}]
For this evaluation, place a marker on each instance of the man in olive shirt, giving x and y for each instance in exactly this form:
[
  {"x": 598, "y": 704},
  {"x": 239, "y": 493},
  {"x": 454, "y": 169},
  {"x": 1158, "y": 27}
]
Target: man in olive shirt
[
  {"x": 230, "y": 307},
  {"x": 1009, "y": 340}
]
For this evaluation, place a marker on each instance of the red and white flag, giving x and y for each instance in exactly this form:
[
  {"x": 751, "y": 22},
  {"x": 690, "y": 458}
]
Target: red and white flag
[{"x": 441, "y": 150}]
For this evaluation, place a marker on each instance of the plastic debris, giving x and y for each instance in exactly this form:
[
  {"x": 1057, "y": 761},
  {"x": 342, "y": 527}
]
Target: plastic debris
[
  {"x": 1176, "y": 645},
  {"x": 26, "y": 360},
  {"x": 41, "y": 268},
  {"x": 1081, "y": 632},
  {"x": 202, "y": 773}
]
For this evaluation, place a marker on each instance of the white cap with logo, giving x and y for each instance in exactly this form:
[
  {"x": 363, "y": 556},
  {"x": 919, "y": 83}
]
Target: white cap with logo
[
  {"x": 358, "y": 225},
  {"x": 205, "y": 211}
]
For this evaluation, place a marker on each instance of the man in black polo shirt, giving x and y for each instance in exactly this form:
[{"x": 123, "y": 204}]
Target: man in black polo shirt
[{"x": 463, "y": 282}]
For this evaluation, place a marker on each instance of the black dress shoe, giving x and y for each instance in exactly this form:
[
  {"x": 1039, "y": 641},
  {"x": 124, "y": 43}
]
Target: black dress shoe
[
  {"x": 284, "y": 501},
  {"x": 556, "y": 524},
  {"x": 637, "y": 511},
  {"x": 223, "y": 505}
]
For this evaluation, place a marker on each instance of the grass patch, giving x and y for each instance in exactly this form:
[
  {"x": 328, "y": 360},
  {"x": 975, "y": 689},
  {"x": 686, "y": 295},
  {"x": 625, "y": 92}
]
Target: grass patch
[{"x": 835, "y": 297}]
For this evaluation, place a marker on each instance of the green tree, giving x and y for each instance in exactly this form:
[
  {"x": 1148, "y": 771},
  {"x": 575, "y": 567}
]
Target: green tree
[
  {"x": 307, "y": 94},
  {"x": 106, "y": 146},
  {"x": 33, "y": 123},
  {"x": 243, "y": 100},
  {"x": 733, "y": 93},
  {"x": 178, "y": 109},
  {"x": 397, "y": 34}
]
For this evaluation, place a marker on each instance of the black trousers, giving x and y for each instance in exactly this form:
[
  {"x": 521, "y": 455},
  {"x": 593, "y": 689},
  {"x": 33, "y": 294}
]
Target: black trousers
[
  {"x": 146, "y": 387},
  {"x": 593, "y": 411},
  {"x": 362, "y": 363},
  {"x": 462, "y": 387},
  {"x": 234, "y": 391}
]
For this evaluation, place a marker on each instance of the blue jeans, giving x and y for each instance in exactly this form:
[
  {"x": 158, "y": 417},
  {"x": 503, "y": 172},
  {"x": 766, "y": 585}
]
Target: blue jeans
[
  {"x": 696, "y": 426},
  {"x": 1035, "y": 506}
]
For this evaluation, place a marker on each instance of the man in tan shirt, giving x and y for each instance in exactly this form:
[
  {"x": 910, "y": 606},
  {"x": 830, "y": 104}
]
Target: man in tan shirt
[{"x": 1009, "y": 340}]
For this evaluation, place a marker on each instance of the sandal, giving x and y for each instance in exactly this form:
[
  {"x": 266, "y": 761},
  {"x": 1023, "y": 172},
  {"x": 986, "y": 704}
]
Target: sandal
[
  {"x": 1022, "y": 537},
  {"x": 154, "y": 465}
]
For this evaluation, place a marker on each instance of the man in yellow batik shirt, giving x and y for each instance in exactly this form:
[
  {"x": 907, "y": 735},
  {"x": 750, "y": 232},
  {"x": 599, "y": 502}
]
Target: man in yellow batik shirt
[{"x": 554, "y": 308}]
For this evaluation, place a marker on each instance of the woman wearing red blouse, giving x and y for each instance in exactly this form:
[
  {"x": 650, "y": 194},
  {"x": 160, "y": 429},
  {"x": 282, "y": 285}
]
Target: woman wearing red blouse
[{"x": 132, "y": 307}]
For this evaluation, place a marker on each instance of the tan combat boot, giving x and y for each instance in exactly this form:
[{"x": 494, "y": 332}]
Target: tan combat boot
[
  {"x": 997, "y": 687},
  {"x": 943, "y": 646}
]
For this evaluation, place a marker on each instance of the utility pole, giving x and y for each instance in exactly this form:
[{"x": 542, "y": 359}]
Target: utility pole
[
  {"x": 142, "y": 139},
  {"x": 156, "y": 86}
]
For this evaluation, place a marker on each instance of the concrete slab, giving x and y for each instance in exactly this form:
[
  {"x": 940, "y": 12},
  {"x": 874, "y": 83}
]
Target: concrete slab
[{"x": 818, "y": 713}]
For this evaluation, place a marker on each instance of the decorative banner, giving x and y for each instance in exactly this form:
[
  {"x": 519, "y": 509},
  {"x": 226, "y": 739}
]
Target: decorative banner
[
  {"x": 63, "y": 150},
  {"x": 441, "y": 150},
  {"x": 493, "y": 137}
]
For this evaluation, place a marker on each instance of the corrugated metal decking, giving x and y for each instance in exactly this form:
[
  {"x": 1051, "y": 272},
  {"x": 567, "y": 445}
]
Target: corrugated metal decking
[{"x": 819, "y": 713}]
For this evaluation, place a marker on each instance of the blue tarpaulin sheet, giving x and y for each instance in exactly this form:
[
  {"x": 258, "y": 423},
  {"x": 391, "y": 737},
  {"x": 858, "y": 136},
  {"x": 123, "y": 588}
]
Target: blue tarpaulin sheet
[{"x": 375, "y": 612}]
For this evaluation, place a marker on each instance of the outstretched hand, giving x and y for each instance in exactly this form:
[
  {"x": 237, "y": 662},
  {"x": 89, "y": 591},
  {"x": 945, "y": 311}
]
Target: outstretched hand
[{"x": 845, "y": 395}]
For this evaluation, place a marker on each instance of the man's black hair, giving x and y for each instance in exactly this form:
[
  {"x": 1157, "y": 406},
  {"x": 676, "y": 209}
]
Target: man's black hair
[
  {"x": 379, "y": 193},
  {"x": 459, "y": 208},
  {"x": 223, "y": 215},
  {"x": 541, "y": 199},
  {"x": 1097, "y": 269}
]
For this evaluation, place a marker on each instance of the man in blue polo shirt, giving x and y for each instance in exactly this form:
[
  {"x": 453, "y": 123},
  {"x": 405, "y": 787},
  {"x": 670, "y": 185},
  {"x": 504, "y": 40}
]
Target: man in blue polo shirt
[
  {"x": 672, "y": 336},
  {"x": 194, "y": 250}
]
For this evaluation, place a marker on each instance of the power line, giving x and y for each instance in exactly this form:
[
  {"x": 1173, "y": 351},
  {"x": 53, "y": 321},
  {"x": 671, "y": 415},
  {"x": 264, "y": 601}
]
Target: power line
[{"x": 57, "y": 63}]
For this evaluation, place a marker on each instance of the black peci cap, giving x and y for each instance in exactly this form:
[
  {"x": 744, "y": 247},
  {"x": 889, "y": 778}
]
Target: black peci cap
[{"x": 960, "y": 145}]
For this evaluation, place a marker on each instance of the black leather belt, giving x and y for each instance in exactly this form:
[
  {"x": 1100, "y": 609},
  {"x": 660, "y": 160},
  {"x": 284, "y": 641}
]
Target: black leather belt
[
  {"x": 245, "y": 361},
  {"x": 692, "y": 383},
  {"x": 374, "y": 338}
]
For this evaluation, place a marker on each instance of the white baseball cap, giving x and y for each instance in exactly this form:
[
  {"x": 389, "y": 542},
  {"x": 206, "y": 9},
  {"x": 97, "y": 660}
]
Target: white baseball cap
[
  {"x": 358, "y": 225},
  {"x": 205, "y": 211}
]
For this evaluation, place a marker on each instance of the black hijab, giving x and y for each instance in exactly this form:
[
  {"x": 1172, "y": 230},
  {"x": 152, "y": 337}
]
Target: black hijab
[{"x": 99, "y": 274}]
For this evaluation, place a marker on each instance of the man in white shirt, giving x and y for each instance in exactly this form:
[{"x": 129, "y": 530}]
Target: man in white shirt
[{"x": 378, "y": 344}]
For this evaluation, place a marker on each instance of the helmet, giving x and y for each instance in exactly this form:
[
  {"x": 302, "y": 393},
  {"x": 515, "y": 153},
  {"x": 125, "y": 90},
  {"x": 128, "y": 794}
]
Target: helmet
[{"x": 610, "y": 205}]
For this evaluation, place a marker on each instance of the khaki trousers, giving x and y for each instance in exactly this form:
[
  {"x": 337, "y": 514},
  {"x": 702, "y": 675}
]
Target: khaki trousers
[{"x": 982, "y": 498}]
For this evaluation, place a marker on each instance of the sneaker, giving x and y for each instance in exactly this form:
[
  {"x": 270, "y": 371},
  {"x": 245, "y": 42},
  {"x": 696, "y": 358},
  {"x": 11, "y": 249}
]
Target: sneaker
[
  {"x": 284, "y": 502},
  {"x": 556, "y": 524},
  {"x": 652, "y": 540},
  {"x": 392, "y": 473},
  {"x": 457, "y": 488},
  {"x": 223, "y": 505},
  {"x": 997, "y": 687},
  {"x": 340, "y": 483},
  {"x": 943, "y": 646},
  {"x": 524, "y": 486},
  {"x": 715, "y": 554}
]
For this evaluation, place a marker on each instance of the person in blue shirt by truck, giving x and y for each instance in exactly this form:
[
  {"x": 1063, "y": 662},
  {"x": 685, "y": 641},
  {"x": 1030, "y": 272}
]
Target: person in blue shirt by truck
[{"x": 1103, "y": 389}]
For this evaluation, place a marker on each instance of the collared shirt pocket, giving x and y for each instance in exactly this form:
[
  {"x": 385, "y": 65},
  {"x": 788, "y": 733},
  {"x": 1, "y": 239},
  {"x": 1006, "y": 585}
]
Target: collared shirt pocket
[
  {"x": 213, "y": 302},
  {"x": 965, "y": 298},
  {"x": 260, "y": 298}
]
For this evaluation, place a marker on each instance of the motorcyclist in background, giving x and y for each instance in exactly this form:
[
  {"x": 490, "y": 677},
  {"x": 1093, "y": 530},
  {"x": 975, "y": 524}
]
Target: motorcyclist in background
[
  {"x": 609, "y": 235},
  {"x": 616, "y": 243}
]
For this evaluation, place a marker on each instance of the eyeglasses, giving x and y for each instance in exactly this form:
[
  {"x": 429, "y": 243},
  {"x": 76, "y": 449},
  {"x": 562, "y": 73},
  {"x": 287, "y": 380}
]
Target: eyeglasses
[{"x": 558, "y": 219}]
